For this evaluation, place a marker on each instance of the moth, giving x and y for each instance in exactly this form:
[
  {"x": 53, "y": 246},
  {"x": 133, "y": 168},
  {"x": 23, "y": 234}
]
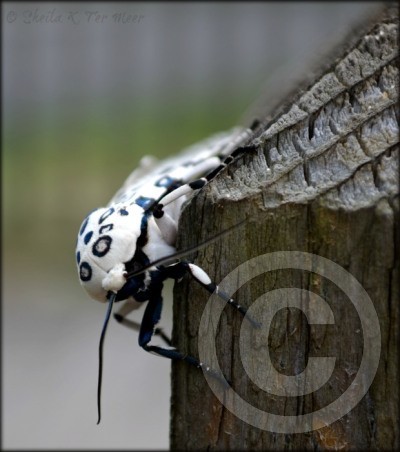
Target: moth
[{"x": 126, "y": 250}]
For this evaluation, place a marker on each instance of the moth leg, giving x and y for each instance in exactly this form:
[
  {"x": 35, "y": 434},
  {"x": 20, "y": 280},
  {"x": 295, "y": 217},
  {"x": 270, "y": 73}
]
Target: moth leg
[
  {"x": 188, "y": 188},
  {"x": 150, "y": 319},
  {"x": 166, "y": 224},
  {"x": 177, "y": 271},
  {"x": 183, "y": 190},
  {"x": 201, "y": 277},
  {"x": 127, "y": 308}
]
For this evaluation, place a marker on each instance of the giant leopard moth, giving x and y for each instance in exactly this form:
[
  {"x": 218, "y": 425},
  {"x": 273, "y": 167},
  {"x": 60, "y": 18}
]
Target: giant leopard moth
[{"x": 126, "y": 250}]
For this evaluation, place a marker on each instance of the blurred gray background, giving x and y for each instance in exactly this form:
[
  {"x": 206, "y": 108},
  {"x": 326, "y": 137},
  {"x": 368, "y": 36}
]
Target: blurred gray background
[{"x": 88, "y": 89}]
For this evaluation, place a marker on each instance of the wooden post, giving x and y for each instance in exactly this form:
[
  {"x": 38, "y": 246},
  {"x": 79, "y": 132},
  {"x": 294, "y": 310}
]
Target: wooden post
[{"x": 322, "y": 179}]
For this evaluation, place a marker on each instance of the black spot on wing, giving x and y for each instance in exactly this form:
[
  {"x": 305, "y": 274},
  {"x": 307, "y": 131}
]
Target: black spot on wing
[
  {"x": 106, "y": 214},
  {"x": 87, "y": 237},
  {"x": 106, "y": 228},
  {"x": 85, "y": 272},
  {"x": 102, "y": 246},
  {"x": 169, "y": 183},
  {"x": 78, "y": 257},
  {"x": 143, "y": 237},
  {"x": 123, "y": 212},
  {"x": 83, "y": 227},
  {"x": 84, "y": 224},
  {"x": 165, "y": 181},
  {"x": 144, "y": 202}
]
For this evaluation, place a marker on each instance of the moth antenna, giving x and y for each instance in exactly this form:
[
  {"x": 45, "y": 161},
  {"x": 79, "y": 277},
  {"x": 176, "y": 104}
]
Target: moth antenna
[
  {"x": 183, "y": 253},
  {"x": 111, "y": 300}
]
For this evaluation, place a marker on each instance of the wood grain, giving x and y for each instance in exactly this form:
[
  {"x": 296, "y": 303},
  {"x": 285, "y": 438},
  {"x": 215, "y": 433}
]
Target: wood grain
[{"x": 323, "y": 179}]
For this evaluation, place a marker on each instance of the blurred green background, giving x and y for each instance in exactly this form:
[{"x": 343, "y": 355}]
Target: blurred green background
[{"x": 83, "y": 101}]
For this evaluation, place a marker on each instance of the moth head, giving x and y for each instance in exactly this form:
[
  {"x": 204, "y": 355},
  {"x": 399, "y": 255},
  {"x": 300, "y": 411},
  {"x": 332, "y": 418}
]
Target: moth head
[{"x": 106, "y": 240}]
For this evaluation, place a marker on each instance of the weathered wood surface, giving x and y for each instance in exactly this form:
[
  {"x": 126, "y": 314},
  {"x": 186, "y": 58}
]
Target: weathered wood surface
[{"x": 323, "y": 179}]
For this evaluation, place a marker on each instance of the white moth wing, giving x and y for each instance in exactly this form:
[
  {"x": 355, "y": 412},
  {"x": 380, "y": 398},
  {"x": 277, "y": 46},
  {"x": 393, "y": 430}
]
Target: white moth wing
[{"x": 193, "y": 162}]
